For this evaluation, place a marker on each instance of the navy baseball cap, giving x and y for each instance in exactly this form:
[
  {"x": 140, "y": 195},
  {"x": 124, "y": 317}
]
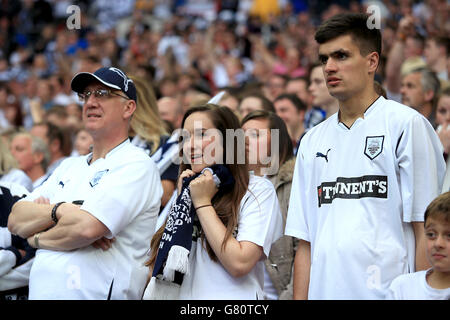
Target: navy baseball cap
[{"x": 110, "y": 77}]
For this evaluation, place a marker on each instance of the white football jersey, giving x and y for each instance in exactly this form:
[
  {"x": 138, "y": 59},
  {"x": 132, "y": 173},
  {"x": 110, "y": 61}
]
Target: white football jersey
[
  {"x": 123, "y": 191},
  {"x": 354, "y": 192}
]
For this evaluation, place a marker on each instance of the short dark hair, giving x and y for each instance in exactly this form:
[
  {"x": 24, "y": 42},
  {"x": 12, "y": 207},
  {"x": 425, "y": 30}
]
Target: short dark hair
[
  {"x": 442, "y": 41},
  {"x": 300, "y": 78},
  {"x": 418, "y": 39},
  {"x": 312, "y": 66},
  {"x": 296, "y": 101},
  {"x": 56, "y": 133},
  {"x": 379, "y": 89},
  {"x": 445, "y": 91},
  {"x": 439, "y": 207},
  {"x": 58, "y": 110},
  {"x": 355, "y": 25},
  {"x": 265, "y": 102}
]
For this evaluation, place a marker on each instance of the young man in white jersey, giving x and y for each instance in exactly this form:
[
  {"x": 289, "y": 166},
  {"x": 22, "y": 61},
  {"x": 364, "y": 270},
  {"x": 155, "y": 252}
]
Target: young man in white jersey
[
  {"x": 108, "y": 199},
  {"x": 363, "y": 177}
]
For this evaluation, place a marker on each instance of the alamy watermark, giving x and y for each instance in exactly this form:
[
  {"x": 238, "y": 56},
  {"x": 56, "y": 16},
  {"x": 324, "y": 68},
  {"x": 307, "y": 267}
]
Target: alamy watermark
[
  {"x": 209, "y": 147},
  {"x": 74, "y": 277},
  {"x": 374, "y": 19},
  {"x": 374, "y": 277},
  {"x": 74, "y": 19}
]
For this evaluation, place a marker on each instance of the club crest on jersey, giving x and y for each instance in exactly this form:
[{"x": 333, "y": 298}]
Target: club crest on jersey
[
  {"x": 95, "y": 180},
  {"x": 374, "y": 146}
]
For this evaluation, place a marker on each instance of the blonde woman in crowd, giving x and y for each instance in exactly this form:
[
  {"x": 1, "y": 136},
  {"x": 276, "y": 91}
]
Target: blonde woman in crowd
[
  {"x": 149, "y": 133},
  {"x": 9, "y": 170}
]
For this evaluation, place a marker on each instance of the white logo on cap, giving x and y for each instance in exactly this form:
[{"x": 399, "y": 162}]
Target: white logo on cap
[{"x": 124, "y": 77}]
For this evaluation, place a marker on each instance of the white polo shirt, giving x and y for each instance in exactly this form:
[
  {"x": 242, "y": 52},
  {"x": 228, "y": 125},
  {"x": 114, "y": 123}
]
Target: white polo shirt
[
  {"x": 260, "y": 222},
  {"x": 122, "y": 190},
  {"x": 354, "y": 193}
]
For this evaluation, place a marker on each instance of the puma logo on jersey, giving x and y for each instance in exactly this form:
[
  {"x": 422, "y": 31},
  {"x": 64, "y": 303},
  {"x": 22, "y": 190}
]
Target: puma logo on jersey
[
  {"x": 353, "y": 188},
  {"x": 63, "y": 183},
  {"x": 321, "y": 155}
]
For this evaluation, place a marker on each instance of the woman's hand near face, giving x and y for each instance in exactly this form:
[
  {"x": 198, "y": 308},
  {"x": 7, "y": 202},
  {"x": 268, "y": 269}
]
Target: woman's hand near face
[
  {"x": 203, "y": 189},
  {"x": 186, "y": 173}
]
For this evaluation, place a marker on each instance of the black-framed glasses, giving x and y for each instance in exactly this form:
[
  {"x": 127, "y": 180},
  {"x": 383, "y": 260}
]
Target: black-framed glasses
[{"x": 99, "y": 94}]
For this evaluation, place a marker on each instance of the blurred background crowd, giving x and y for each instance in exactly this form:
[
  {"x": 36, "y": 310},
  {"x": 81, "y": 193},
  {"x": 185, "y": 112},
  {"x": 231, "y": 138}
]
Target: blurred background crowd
[{"x": 186, "y": 51}]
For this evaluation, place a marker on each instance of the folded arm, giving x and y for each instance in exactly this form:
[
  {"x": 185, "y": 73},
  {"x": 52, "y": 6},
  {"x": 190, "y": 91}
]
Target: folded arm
[
  {"x": 28, "y": 218},
  {"x": 75, "y": 229}
]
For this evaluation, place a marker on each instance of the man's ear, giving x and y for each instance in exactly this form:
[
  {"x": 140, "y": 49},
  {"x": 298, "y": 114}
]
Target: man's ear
[
  {"x": 428, "y": 95},
  {"x": 302, "y": 114},
  {"x": 129, "y": 108},
  {"x": 38, "y": 157},
  {"x": 373, "y": 59},
  {"x": 54, "y": 145}
]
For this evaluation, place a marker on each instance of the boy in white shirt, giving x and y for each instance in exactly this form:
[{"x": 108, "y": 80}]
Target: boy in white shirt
[{"x": 434, "y": 283}]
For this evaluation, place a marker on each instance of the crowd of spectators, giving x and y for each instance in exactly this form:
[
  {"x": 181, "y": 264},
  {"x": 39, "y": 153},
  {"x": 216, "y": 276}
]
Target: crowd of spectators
[
  {"x": 261, "y": 53},
  {"x": 188, "y": 50}
]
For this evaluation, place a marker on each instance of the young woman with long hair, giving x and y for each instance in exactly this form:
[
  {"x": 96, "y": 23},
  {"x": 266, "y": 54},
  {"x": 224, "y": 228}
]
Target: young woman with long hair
[
  {"x": 258, "y": 126},
  {"x": 237, "y": 222}
]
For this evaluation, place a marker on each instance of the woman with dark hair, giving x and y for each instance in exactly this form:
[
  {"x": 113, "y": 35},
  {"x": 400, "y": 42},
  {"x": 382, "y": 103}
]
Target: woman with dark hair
[
  {"x": 267, "y": 136},
  {"x": 255, "y": 101},
  {"x": 233, "y": 223}
]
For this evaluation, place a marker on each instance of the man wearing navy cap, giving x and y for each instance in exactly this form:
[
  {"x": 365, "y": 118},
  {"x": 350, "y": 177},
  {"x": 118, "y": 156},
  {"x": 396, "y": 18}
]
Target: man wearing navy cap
[{"x": 92, "y": 220}]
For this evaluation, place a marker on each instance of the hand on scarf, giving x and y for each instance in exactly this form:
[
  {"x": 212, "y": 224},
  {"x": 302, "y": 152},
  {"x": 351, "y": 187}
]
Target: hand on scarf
[{"x": 202, "y": 189}]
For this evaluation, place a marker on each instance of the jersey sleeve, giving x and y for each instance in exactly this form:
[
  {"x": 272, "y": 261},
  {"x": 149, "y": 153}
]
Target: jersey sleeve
[
  {"x": 297, "y": 220},
  {"x": 421, "y": 167},
  {"x": 260, "y": 219},
  {"x": 123, "y": 193}
]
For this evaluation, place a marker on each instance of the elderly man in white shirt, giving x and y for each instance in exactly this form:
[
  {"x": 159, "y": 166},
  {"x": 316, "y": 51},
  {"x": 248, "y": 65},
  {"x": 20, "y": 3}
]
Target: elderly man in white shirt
[{"x": 93, "y": 219}]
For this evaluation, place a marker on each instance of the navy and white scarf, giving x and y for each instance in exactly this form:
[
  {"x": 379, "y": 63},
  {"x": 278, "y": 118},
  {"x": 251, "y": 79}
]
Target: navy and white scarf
[{"x": 172, "y": 260}]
